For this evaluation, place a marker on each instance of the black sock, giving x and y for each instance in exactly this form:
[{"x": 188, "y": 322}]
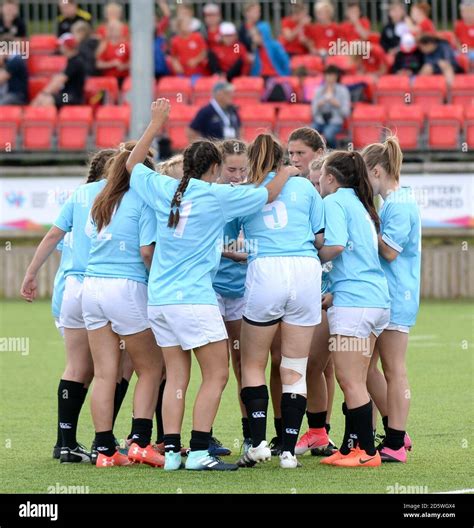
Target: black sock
[
  {"x": 105, "y": 443},
  {"x": 327, "y": 427},
  {"x": 293, "y": 407},
  {"x": 255, "y": 400},
  {"x": 172, "y": 442},
  {"x": 395, "y": 439},
  {"x": 362, "y": 422},
  {"x": 159, "y": 417},
  {"x": 316, "y": 420},
  {"x": 246, "y": 428},
  {"x": 200, "y": 440},
  {"x": 385, "y": 423},
  {"x": 350, "y": 437},
  {"x": 141, "y": 431},
  {"x": 70, "y": 399},
  {"x": 59, "y": 436},
  {"x": 120, "y": 392},
  {"x": 278, "y": 424}
]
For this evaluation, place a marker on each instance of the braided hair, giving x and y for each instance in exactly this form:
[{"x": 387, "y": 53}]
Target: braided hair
[
  {"x": 97, "y": 164},
  {"x": 198, "y": 158}
]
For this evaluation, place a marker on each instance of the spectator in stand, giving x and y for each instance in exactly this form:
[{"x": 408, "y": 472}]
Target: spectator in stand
[
  {"x": 270, "y": 57},
  {"x": 70, "y": 12},
  {"x": 464, "y": 29},
  {"x": 82, "y": 32},
  {"x": 325, "y": 31},
  {"x": 185, "y": 11},
  {"x": 293, "y": 29},
  {"x": 160, "y": 50},
  {"x": 188, "y": 50},
  {"x": 164, "y": 18},
  {"x": 13, "y": 80},
  {"x": 230, "y": 57},
  {"x": 395, "y": 29},
  {"x": 356, "y": 27},
  {"x": 409, "y": 59},
  {"x": 113, "y": 12},
  {"x": 419, "y": 22},
  {"x": 66, "y": 88},
  {"x": 12, "y": 26},
  {"x": 212, "y": 20},
  {"x": 331, "y": 105},
  {"x": 252, "y": 14},
  {"x": 113, "y": 53},
  {"x": 219, "y": 119},
  {"x": 373, "y": 63},
  {"x": 438, "y": 58}
]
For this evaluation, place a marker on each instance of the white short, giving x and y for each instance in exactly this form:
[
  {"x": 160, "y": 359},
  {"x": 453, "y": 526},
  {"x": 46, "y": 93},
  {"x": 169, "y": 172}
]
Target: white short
[
  {"x": 399, "y": 328},
  {"x": 186, "y": 325},
  {"x": 284, "y": 289},
  {"x": 71, "y": 307},
  {"x": 231, "y": 308},
  {"x": 120, "y": 302},
  {"x": 58, "y": 326},
  {"x": 357, "y": 322}
]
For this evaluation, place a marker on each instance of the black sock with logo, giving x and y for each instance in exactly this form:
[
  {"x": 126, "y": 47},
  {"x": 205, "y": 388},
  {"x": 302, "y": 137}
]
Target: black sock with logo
[
  {"x": 255, "y": 400},
  {"x": 361, "y": 418},
  {"x": 70, "y": 401},
  {"x": 293, "y": 407}
]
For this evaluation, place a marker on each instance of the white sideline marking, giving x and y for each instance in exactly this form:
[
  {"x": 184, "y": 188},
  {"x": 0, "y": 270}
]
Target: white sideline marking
[
  {"x": 454, "y": 492},
  {"x": 429, "y": 337}
]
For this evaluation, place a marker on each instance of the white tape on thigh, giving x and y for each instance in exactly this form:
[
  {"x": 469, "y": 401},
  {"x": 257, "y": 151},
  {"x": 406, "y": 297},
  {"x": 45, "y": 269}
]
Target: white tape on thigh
[{"x": 298, "y": 365}]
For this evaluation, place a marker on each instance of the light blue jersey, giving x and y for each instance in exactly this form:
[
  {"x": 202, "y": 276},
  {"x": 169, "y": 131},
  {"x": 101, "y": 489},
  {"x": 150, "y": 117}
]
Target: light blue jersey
[
  {"x": 187, "y": 256},
  {"x": 286, "y": 227},
  {"x": 75, "y": 214},
  {"x": 65, "y": 264},
  {"x": 401, "y": 230},
  {"x": 326, "y": 278},
  {"x": 230, "y": 278},
  {"x": 357, "y": 278},
  {"x": 115, "y": 251}
]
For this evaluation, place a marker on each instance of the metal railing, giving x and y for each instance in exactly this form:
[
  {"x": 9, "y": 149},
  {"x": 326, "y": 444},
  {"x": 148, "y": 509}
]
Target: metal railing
[{"x": 41, "y": 15}]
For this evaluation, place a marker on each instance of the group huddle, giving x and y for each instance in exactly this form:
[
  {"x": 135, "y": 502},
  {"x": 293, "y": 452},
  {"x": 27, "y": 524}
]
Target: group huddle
[{"x": 226, "y": 251}]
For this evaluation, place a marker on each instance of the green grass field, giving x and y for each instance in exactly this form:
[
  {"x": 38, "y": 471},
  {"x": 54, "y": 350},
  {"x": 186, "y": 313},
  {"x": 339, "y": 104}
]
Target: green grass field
[{"x": 441, "y": 376}]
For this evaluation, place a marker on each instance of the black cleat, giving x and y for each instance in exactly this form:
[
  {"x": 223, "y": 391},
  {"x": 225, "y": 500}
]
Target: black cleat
[
  {"x": 329, "y": 450},
  {"x": 275, "y": 446},
  {"x": 78, "y": 455},
  {"x": 56, "y": 452}
]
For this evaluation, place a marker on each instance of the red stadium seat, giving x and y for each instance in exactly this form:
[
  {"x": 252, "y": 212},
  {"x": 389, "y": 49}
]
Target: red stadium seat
[
  {"x": 292, "y": 116},
  {"x": 248, "y": 90},
  {"x": 256, "y": 119},
  {"x": 35, "y": 85},
  {"x": 429, "y": 90},
  {"x": 180, "y": 117},
  {"x": 126, "y": 87},
  {"x": 175, "y": 88},
  {"x": 462, "y": 90},
  {"x": 469, "y": 126},
  {"x": 43, "y": 44},
  {"x": 202, "y": 90},
  {"x": 10, "y": 119},
  {"x": 96, "y": 85},
  {"x": 406, "y": 121},
  {"x": 366, "y": 124},
  {"x": 449, "y": 36},
  {"x": 111, "y": 125},
  {"x": 310, "y": 85},
  {"x": 361, "y": 78},
  {"x": 343, "y": 62},
  {"x": 463, "y": 60},
  {"x": 46, "y": 64},
  {"x": 312, "y": 64},
  {"x": 74, "y": 123},
  {"x": 392, "y": 89},
  {"x": 38, "y": 127},
  {"x": 444, "y": 126}
]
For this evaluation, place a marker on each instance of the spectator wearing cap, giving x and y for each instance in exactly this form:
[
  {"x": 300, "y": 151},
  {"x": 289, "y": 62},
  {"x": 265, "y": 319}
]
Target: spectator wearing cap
[
  {"x": 229, "y": 57},
  {"x": 419, "y": 21},
  {"x": 331, "y": 105},
  {"x": 219, "y": 119},
  {"x": 464, "y": 28},
  {"x": 70, "y": 12},
  {"x": 409, "y": 59},
  {"x": 293, "y": 28},
  {"x": 113, "y": 53},
  {"x": 438, "y": 58},
  {"x": 393, "y": 31},
  {"x": 212, "y": 20},
  {"x": 12, "y": 26},
  {"x": 113, "y": 12},
  {"x": 13, "y": 80},
  {"x": 66, "y": 88},
  {"x": 355, "y": 27},
  {"x": 188, "y": 50},
  {"x": 270, "y": 57}
]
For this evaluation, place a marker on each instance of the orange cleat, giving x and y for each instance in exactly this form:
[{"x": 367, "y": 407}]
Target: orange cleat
[
  {"x": 359, "y": 459},
  {"x": 312, "y": 439},
  {"x": 331, "y": 460},
  {"x": 117, "y": 459},
  {"x": 145, "y": 455}
]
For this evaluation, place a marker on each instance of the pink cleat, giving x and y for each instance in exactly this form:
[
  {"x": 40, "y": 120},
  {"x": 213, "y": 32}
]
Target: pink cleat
[
  {"x": 391, "y": 455},
  {"x": 407, "y": 442},
  {"x": 312, "y": 439}
]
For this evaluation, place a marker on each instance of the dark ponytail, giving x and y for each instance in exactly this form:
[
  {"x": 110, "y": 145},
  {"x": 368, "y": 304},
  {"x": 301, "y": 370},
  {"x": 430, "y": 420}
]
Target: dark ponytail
[
  {"x": 350, "y": 171},
  {"x": 197, "y": 160},
  {"x": 98, "y": 164}
]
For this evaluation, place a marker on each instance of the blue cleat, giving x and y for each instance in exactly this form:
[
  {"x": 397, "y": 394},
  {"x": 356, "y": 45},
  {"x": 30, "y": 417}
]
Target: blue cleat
[{"x": 203, "y": 461}]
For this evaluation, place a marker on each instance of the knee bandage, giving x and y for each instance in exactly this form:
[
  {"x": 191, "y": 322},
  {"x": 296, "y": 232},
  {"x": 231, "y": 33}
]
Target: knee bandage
[{"x": 298, "y": 365}]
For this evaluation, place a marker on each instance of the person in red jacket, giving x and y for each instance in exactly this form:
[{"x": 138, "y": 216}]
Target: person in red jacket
[
  {"x": 212, "y": 19},
  {"x": 419, "y": 22},
  {"x": 113, "y": 53},
  {"x": 113, "y": 12},
  {"x": 325, "y": 31},
  {"x": 230, "y": 57},
  {"x": 464, "y": 29},
  {"x": 356, "y": 27},
  {"x": 293, "y": 29},
  {"x": 188, "y": 50}
]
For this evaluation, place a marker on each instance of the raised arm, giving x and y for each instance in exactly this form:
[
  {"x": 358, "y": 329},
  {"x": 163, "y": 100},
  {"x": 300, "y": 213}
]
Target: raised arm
[{"x": 276, "y": 185}]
